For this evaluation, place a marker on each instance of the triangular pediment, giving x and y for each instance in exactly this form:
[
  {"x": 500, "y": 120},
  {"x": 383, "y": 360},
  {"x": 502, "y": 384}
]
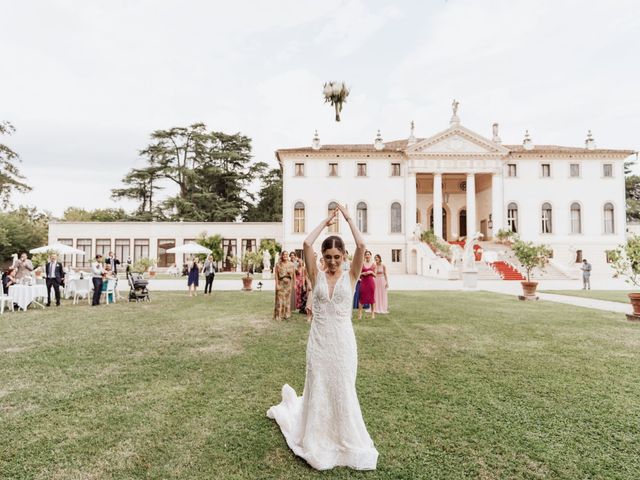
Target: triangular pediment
[{"x": 457, "y": 140}]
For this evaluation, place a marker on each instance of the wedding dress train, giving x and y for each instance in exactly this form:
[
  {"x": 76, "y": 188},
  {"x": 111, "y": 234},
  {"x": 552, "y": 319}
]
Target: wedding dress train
[{"x": 325, "y": 426}]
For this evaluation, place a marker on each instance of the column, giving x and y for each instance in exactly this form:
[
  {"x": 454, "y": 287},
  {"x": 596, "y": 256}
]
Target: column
[
  {"x": 471, "y": 205},
  {"x": 410, "y": 201},
  {"x": 497, "y": 203},
  {"x": 437, "y": 204}
]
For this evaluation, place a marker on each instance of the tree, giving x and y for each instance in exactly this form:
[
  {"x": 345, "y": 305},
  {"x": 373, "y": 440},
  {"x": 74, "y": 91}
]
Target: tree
[
  {"x": 211, "y": 170},
  {"x": 269, "y": 205},
  {"x": 76, "y": 214},
  {"x": 21, "y": 230},
  {"x": 213, "y": 243},
  {"x": 10, "y": 176},
  {"x": 141, "y": 185},
  {"x": 632, "y": 194},
  {"x": 531, "y": 256}
]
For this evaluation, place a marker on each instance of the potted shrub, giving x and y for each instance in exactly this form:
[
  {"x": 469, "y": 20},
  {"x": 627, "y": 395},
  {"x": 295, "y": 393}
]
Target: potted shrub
[
  {"x": 143, "y": 265},
  {"x": 625, "y": 260},
  {"x": 249, "y": 262},
  {"x": 39, "y": 261},
  {"x": 505, "y": 236},
  {"x": 530, "y": 256},
  {"x": 439, "y": 247}
]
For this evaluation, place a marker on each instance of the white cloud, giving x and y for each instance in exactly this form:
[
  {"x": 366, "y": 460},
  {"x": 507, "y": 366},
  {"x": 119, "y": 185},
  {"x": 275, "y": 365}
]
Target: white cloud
[{"x": 89, "y": 81}]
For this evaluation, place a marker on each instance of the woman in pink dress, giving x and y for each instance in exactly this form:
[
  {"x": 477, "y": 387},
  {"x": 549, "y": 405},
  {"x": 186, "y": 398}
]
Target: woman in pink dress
[
  {"x": 382, "y": 285},
  {"x": 367, "y": 285}
]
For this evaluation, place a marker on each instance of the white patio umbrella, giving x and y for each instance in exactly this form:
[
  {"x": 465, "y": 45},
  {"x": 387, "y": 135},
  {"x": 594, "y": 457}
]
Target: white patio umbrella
[
  {"x": 193, "y": 248},
  {"x": 59, "y": 248}
]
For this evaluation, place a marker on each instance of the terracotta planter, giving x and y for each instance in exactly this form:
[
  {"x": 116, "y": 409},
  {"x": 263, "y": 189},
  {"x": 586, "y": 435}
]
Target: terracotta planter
[
  {"x": 529, "y": 289},
  {"x": 246, "y": 283},
  {"x": 635, "y": 302},
  {"x": 152, "y": 273}
]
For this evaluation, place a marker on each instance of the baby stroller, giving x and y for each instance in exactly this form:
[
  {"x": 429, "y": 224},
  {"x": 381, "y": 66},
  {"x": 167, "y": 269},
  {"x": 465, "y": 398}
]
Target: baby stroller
[{"x": 138, "y": 290}]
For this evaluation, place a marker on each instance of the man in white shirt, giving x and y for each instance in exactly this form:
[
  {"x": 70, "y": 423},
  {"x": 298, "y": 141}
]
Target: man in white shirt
[{"x": 97, "y": 270}]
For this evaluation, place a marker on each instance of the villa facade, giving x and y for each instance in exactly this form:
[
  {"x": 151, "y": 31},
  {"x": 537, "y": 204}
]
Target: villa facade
[{"x": 570, "y": 198}]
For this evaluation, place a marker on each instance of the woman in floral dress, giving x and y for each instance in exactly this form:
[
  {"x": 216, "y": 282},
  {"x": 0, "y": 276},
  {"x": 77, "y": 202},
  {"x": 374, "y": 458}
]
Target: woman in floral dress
[{"x": 284, "y": 276}]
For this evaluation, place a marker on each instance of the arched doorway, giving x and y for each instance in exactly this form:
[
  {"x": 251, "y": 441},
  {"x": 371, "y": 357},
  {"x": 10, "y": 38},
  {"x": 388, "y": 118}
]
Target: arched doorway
[
  {"x": 462, "y": 225},
  {"x": 444, "y": 222},
  {"x": 413, "y": 262}
]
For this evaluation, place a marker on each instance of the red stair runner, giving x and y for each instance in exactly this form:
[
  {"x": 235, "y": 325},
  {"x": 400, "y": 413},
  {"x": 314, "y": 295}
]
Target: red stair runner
[{"x": 506, "y": 271}]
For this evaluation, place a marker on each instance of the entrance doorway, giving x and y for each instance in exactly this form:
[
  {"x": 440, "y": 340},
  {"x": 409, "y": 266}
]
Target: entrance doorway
[
  {"x": 462, "y": 222},
  {"x": 444, "y": 223}
]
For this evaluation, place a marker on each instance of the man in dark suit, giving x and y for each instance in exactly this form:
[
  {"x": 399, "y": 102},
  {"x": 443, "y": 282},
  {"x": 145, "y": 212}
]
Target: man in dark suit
[
  {"x": 54, "y": 274},
  {"x": 113, "y": 261}
]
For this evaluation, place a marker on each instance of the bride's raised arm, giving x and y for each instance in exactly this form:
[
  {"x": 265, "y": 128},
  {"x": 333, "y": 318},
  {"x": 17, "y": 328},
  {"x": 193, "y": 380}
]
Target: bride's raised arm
[
  {"x": 358, "y": 255},
  {"x": 307, "y": 246}
]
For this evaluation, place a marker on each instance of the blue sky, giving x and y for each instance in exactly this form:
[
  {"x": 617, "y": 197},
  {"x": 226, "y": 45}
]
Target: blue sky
[{"x": 85, "y": 82}]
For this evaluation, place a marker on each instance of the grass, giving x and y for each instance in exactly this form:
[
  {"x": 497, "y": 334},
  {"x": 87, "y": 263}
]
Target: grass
[
  {"x": 452, "y": 386},
  {"x": 621, "y": 296}
]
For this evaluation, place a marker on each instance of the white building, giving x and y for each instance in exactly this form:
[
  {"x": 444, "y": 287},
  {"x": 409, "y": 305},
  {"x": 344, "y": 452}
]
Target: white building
[
  {"x": 570, "y": 198},
  {"x": 153, "y": 239}
]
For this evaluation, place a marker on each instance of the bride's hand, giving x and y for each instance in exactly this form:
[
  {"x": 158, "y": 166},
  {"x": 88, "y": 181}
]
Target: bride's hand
[
  {"x": 344, "y": 212},
  {"x": 332, "y": 218}
]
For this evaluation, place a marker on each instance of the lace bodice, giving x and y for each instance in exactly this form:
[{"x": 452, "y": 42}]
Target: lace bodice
[{"x": 339, "y": 304}]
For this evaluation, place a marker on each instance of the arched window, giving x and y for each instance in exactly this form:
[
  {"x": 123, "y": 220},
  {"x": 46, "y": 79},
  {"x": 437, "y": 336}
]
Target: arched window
[
  {"x": 361, "y": 217},
  {"x": 547, "y": 226},
  {"x": 576, "y": 218},
  {"x": 512, "y": 217},
  {"x": 298, "y": 218},
  {"x": 396, "y": 218},
  {"x": 609, "y": 226},
  {"x": 335, "y": 228},
  {"x": 462, "y": 223}
]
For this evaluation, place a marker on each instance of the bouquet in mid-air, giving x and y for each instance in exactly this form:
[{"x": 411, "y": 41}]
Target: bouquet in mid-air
[{"x": 336, "y": 94}]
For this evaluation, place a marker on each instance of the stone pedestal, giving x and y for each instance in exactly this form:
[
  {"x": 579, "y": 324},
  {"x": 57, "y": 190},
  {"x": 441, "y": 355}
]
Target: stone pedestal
[
  {"x": 470, "y": 280},
  {"x": 266, "y": 274}
]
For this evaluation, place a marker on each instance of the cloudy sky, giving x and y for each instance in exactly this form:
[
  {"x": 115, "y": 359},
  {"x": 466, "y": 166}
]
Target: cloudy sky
[{"x": 86, "y": 81}]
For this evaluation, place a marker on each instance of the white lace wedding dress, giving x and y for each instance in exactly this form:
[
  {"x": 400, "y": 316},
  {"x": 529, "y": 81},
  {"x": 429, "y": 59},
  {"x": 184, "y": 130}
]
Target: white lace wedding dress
[{"x": 325, "y": 426}]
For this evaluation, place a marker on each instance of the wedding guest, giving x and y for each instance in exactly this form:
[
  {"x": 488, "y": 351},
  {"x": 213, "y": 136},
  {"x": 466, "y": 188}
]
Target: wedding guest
[
  {"x": 322, "y": 266},
  {"x": 367, "y": 285},
  {"x": 97, "y": 271},
  {"x": 586, "y": 275},
  {"x": 346, "y": 263},
  {"x": 23, "y": 266},
  {"x": 129, "y": 264},
  {"x": 54, "y": 278},
  {"x": 194, "y": 277},
  {"x": 301, "y": 287},
  {"x": 294, "y": 287},
  {"x": 113, "y": 262},
  {"x": 8, "y": 279},
  {"x": 382, "y": 285},
  {"x": 209, "y": 271},
  {"x": 284, "y": 276}
]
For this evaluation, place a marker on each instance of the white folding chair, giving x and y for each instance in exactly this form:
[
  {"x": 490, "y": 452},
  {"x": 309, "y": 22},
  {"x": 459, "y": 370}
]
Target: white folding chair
[
  {"x": 5, "y": 299},
  {"x": 82, "y": 289}
]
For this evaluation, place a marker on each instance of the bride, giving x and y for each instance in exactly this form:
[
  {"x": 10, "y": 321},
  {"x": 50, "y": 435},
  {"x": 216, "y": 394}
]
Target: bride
[{"x": 325, "y": 426}]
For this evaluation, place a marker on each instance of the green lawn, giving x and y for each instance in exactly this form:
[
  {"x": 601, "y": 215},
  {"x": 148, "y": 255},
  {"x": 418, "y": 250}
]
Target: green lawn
[
  {"x": 452, "y": 385},
  {"x": 621, "y": 296}
]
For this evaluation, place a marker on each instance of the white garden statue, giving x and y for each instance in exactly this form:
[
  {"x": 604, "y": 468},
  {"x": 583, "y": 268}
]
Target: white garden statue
[
  {"x": 469, "y": 256},
  {"x": 266, "y": 261}
]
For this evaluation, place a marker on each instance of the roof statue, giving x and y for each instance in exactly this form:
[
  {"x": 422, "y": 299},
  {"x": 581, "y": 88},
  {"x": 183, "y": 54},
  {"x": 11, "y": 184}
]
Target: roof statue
[
  {"x": 455, "y": 120},
  {"x": 412, "y": 138},
  {"x": 496, "y": 137}
]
